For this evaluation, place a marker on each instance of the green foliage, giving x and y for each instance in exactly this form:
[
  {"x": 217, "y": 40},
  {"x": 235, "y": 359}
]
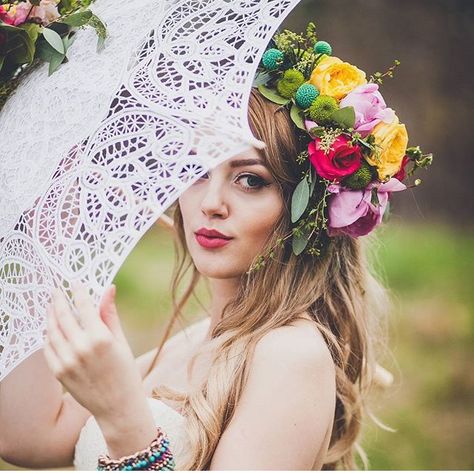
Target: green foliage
[
  {"x": 299, "y": 200},
  {"x": 344, "y": 117}
]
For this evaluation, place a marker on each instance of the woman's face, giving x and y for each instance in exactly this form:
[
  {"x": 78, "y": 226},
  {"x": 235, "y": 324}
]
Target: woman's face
[{"x": 239, "y": 199}]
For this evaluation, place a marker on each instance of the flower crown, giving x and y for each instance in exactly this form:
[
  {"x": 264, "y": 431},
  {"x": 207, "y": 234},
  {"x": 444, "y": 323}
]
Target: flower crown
[
  {"x": 32, "y": 31},
  {"x": 355, "y": 150}
]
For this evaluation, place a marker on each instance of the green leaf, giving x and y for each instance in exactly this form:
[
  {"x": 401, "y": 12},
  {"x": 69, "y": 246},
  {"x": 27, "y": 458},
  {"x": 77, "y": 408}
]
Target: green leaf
[
  {"x": 55, "y": 61},
  {"x": 299, "y": 243},
  {"x": 345, "y": 117},
  {"x": 2, "y": 59},
  {"x": 68, "y": 40},
  {"x": 299, "y": 200},
  {"x": 19, "y": 47},
  {"x": 33, "y": 30},
  {"x": 54, "y": 40},
  {"x": 100, "y": 29},
  {"x": 296, "y": 116},
  {"x": 272, "y": 95},
  {"x": 78, "y": 19},
  {"x": 261, "y": 78}
]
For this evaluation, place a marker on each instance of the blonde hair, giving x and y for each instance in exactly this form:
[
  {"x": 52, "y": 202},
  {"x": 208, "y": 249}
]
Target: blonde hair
[{"x": 337, "y": 290}]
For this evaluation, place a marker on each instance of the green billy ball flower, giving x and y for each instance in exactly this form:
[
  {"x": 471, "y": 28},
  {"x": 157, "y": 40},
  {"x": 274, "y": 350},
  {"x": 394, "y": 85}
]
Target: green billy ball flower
[
  {"x": 290, "y": 83},
  {"x": 322, "y": 109},
  {"x": 322, "y": 47},
  {"x": 360, "y": 179},
  {"x": 306, "y": 95},
  {"x": 272, "y": 59}
]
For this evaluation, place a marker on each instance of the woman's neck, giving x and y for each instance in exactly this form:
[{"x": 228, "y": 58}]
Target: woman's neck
[{"x": 222, "y": 291}]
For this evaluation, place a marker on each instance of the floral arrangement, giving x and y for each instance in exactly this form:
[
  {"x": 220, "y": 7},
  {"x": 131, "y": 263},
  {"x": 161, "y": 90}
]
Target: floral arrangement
[
  {"x": 355, "y": 150},
  {"x": 32, "y": 31}
]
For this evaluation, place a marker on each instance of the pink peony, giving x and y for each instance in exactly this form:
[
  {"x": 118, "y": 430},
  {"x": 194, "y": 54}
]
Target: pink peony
[
  {"x": 340, "y": 161},
  {"x": 46, "y": 11},
  {"x": 369, "y": 107},
  {"x": 14, "y": 14},
  {"x": 351, "y": 212}
]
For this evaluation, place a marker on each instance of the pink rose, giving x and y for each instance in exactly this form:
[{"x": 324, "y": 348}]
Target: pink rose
[
  {"x": 341, "y": 160},
  {"x": 351, "y": 212},
  {"x": 369, "y": 107}
]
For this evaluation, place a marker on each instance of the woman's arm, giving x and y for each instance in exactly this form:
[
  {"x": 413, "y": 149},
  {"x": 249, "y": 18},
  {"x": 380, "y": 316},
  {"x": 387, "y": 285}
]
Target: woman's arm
[
  {"x": 286, "y": 408},
  {"x": 38, "y": 427}
]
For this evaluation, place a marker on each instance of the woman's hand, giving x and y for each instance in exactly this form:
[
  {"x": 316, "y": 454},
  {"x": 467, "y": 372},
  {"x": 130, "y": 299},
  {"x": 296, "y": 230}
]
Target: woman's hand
[{"x": 90, "y": 355}]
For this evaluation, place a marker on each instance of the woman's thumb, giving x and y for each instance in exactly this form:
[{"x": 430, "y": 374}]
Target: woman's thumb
[{"x": 108, "y": 312}]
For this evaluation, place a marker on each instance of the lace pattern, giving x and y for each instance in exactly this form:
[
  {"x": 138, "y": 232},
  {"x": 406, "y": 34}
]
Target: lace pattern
[{"x": 99, "y": 150}]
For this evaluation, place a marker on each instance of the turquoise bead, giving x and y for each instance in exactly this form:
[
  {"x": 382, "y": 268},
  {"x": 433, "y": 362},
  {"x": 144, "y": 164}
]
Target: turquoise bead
[
  {"x": 322, "y": 47},
  {"x": 152, "y": 458}
]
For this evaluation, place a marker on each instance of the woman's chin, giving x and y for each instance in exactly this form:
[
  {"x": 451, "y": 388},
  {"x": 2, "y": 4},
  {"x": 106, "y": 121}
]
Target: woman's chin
[{"x": 218, "y": 270}]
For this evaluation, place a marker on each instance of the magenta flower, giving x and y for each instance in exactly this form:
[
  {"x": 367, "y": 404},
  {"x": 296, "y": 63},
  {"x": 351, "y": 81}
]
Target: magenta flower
[
  {"x": 13, "y": 14},
  {"x": 369, "y": 107},
  {"x": 352, "y": 212}
]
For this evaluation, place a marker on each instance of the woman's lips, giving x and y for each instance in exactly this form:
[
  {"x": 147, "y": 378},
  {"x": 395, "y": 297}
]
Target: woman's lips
[{"x": 211, "y": 242}]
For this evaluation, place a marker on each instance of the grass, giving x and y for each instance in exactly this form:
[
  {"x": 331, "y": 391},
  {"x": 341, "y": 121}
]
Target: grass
[{"x": 429, "y": 271}]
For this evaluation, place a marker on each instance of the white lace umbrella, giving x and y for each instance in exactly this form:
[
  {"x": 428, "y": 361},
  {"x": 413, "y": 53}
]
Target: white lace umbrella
[{"x": 93, "y": 155}]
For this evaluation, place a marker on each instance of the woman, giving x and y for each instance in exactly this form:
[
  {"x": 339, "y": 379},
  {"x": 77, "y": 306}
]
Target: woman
[{"x": 283, "y": 363}]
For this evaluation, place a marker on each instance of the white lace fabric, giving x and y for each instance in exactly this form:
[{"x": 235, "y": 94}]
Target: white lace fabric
[
  {"x": 95, "y": 153},
  {"x": 91, "y": 441}
]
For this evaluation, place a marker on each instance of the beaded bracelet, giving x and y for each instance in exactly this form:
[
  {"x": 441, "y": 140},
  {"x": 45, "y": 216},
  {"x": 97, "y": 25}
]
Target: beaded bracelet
[{"x": 157, "y": 456}]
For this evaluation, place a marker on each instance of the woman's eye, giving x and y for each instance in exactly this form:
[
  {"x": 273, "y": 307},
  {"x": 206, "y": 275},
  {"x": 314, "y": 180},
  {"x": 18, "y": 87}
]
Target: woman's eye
[{"x": 251, "y": 181}]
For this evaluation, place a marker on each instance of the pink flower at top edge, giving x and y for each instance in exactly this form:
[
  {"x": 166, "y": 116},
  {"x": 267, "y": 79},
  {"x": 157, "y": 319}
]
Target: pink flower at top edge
[
  {"x": 369, "y": 106},
  {"x": 351, "y": 212},
  {"x": 13, "y": 15}
]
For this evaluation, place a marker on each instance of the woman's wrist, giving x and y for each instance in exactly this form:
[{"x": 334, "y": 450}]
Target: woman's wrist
[{"x": 132, "y": 430}]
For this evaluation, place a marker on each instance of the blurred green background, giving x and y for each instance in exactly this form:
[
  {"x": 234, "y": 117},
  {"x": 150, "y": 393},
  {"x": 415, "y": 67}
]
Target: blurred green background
[{"x": 425, "y": 254}]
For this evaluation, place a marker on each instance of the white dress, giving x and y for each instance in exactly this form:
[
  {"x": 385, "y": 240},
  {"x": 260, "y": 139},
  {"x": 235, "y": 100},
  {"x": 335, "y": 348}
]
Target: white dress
[{"x": 91, "y": 442}]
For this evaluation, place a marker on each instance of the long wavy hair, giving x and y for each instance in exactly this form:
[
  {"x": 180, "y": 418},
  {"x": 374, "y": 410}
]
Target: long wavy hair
[{"x": 337, "y": 290}]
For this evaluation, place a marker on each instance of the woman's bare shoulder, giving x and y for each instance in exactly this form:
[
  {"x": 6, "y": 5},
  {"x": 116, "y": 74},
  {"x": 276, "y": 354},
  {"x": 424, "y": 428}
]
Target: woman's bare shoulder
[{"x": 301, "y": 339}]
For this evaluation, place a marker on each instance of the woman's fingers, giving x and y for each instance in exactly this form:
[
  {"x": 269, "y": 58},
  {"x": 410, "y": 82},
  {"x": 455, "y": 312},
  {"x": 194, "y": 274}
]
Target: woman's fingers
[
  {"x": 87, "y": 311},
  {"x": 67, "y": 322},
  {"x": 62, "y": 353}
]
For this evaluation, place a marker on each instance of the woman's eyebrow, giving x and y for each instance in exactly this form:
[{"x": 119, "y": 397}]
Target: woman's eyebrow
[{"x": 245, "y": 162}]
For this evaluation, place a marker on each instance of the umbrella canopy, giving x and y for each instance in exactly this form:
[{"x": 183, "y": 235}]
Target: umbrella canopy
[{"x": 93, "y": 155}]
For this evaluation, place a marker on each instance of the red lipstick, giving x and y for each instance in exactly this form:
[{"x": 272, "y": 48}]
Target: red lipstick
[{"x": 209, "y": 238}]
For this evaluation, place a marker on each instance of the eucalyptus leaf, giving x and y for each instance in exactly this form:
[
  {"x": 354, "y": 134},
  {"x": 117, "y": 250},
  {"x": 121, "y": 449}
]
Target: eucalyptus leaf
[
  {"x": 299, "y": 243},
  {"x": 54, "y": 40},
  {"x": 296, "y": 116},
  {"x": 345, "y": 117},
  {"x": 272, "y": 95},
  {"x": 299, "y": 200},
  {"x": 55, "y": 61},
  {"x": 261, "y": 78},
  {"x": 78, "y": 19},
  {"x": 100, "y": 29}
]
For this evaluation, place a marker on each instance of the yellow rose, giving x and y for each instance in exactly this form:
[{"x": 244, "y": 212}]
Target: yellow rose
[
  {"x": 391, "y": 140},
  {"x": 336, "y": 78}
]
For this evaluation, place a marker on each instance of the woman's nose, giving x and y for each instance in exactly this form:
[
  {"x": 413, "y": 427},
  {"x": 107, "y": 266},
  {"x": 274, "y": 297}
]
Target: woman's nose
[{"x": 214, "y": 202}]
